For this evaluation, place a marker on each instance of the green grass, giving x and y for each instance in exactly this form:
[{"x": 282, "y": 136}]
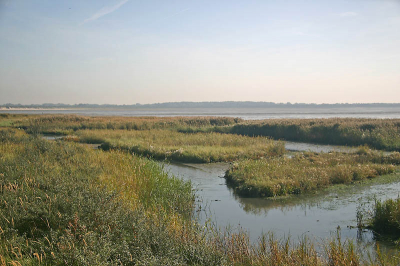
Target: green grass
[
  {"x": 383, "y": 218},
  {"x": 196, "y": 148},
  {"x": 62, "y": 203},
  {"x": 386, "y": 217},
  {"x": 67, "y": 124},
  {"x": 383, "y": 134},
  {"x": 307, "y": 171},
  {"x": 8, "y": 120}
]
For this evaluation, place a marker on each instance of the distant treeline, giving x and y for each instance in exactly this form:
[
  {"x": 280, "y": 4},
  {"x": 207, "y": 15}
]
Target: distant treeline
[{"x": 226, "y": 104}]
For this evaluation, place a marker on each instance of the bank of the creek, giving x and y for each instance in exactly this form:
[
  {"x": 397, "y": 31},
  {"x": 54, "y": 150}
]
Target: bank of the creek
[{"x": 318, "y": 216}]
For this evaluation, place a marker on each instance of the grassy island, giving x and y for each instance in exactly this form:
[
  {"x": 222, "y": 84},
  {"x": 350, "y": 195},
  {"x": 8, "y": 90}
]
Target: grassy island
[
  {"x": 193, "y": 148},
  {"x": 270, "y": 177}
]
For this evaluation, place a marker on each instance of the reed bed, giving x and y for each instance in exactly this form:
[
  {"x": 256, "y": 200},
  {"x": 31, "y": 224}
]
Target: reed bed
[
  {"x": 64, "y": 204},
  {"x": 8, "y": 120},
  {"x": 67, "y": 124},
  {"x": 381, "y": 134},
  {"x": 61, "y": 203},
  {"x": 195, "y": 148},
  {"x": 270, "y": 177}
]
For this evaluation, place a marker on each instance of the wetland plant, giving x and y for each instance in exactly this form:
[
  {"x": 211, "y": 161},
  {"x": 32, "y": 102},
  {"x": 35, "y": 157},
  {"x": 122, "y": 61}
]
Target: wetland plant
[
  {"x": 183, "y": 147},
  {"x": 386, "y": 217},
  {"x": 65, "y": 204},
  {"x": 279, "y": 176}
]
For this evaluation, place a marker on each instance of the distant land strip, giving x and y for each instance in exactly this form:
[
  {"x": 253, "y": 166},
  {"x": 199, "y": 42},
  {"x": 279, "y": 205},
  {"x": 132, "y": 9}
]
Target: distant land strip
[{"x": 226, "y": 104}]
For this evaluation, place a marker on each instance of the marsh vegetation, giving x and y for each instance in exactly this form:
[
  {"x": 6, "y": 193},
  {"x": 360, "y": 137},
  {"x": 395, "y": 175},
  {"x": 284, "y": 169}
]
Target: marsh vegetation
[
  {"x": 65, "y": 203},
  {"x": 385, "y": 218},
  {"x": 307, "y": 171},
  {"x": 382, "y": 134},
  {"x": 176, "y": 146}
]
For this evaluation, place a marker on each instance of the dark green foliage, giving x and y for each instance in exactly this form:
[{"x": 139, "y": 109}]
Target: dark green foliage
[
  {"x": 378, "y": 134},
  {"x": 386, "y": 217},
  {"x": 381, "y": 134}
]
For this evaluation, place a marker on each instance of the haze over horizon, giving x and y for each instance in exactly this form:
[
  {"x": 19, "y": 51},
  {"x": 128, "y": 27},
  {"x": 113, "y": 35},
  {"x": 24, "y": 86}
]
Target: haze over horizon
[
  {"x": 202, "y": 104},
  {"x": 127, "y": 52}
]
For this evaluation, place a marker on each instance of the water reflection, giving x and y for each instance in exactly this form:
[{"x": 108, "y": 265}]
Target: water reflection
[
  {"x": 301, "y": 146},
  {"x": 318, "y": 216}
]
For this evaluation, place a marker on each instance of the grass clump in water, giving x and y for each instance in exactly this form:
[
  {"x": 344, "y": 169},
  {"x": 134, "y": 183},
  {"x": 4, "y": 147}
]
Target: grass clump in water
[
  {"x": 304, "y": 172},
  {"x": 386, "y": 217}
]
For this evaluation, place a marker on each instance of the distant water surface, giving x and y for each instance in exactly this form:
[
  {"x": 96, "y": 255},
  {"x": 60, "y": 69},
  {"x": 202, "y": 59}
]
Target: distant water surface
[{"x": 244, "y": 113}]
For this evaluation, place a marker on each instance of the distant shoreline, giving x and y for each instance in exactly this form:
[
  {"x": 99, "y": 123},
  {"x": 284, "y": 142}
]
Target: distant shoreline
[
  {"x": 191, "y": 105},
  {"x": 34, "y": 109}
]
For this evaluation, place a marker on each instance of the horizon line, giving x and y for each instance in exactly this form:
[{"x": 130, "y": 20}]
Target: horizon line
[{"x": 197, "y": 102}]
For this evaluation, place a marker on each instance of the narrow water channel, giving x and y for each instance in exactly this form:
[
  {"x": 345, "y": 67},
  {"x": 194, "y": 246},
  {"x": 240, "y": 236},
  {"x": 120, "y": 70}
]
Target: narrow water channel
[
  {"x": 318, "y": 216},
  {"x": 301, "y": 146}
]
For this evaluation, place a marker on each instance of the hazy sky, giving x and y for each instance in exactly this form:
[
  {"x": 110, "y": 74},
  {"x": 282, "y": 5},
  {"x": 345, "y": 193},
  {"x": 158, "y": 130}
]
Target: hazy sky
[{"x": 126, "y": 51}]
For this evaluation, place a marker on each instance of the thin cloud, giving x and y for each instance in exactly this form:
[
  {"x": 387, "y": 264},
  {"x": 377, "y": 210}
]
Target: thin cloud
[
  {"x": 348, "y": 14},
  {"x": 104, "y": 11},
  {"x": 180, "y": 12},
  {"x": 163, "y": 19}
]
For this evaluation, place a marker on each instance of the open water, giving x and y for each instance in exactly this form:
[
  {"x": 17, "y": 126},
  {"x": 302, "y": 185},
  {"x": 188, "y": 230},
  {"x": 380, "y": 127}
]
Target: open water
[{"x": 244, "y": 113}]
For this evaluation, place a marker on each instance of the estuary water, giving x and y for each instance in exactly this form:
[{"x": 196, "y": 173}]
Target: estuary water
[
  {"x": 318, "y": 216},
  {"x": 244, "y": 113}
]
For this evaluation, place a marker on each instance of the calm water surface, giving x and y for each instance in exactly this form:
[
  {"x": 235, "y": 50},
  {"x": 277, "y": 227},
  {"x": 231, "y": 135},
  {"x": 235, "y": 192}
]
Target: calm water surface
[
  {"x": 317, "y": 216},
  {"x": 245, "y": 113},
  {"x": 301, "y": 146}
]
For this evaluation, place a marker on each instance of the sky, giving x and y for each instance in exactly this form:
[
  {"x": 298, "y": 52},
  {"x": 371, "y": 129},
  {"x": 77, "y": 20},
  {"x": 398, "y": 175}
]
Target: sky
[{"x": 127, "y": 51}]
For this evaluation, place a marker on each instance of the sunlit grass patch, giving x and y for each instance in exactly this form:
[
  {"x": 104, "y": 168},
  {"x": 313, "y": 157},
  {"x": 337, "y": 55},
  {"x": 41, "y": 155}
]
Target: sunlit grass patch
[
  {"x": 64, "y": 203},
  {"x": 176, "y": 146},
  {"x": 67, "y": 124},
  {"x": 377, "y": 133},
  {"x": 308, "y": 171}
]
